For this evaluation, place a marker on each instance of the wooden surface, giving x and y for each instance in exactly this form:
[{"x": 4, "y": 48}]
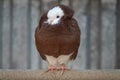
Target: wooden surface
[{"x": 68, "y": 75}]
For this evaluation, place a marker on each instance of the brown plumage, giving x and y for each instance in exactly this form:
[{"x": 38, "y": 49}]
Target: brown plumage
[{"x": 62, "y": 37}]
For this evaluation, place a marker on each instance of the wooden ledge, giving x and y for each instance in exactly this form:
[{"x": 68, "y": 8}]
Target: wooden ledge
[{"x": 68, "y": 75}]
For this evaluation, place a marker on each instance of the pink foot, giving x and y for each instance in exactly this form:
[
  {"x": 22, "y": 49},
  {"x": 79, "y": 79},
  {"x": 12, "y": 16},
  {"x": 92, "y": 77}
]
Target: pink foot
[
  {"x": 52, "y": 69},
  {"x": 63, "y": 68}
]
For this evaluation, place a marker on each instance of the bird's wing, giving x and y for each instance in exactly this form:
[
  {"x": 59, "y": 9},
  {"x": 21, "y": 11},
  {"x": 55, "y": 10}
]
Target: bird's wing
[
  {"x": 77, "y": 33},
  {"x": 37, "y": 42}
]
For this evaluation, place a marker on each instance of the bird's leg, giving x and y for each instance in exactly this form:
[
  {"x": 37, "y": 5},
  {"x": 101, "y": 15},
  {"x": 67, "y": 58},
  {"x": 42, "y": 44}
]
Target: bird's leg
[{"x": 63, "y": 68}]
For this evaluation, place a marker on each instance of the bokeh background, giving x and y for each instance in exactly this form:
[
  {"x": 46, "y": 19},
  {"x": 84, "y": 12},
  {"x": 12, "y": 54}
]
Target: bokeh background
[{"x": 99, "y": 21}]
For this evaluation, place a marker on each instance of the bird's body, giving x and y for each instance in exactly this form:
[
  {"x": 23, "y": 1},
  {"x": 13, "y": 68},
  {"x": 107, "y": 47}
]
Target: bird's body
[{"x": 57, "y": 41}]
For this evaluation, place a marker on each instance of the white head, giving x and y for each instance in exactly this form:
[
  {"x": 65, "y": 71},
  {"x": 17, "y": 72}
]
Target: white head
[{"x": 54, "y": 15}]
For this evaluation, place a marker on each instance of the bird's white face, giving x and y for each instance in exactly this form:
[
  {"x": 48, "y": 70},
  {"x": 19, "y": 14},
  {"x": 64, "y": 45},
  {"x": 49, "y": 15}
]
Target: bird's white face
[{"x": 54, "y": 15}]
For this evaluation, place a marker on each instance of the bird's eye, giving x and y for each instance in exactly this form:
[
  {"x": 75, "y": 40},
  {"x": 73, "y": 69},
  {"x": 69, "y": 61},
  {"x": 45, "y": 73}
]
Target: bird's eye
[{"x": 58, "y": 16}]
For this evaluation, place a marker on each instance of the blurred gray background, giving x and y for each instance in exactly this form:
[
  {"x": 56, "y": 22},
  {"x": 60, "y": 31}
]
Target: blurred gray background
[{"x": 99, "y": 21}]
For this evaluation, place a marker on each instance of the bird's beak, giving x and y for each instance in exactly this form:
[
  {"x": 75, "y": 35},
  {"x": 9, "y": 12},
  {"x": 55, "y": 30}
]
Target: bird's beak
[{"x": 50, "y": 21}]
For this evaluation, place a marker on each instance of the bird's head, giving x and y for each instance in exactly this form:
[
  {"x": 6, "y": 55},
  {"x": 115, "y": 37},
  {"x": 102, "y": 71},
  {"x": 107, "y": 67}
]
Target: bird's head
[
  {"x": 54, "y": 15},
  {"x": 58, "y": 13}
]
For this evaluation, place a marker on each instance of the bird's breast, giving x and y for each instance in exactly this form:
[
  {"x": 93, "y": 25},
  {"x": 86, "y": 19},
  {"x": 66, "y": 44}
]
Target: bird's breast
[
  {"x": 56, "y": 44},
  {"x": 56, "y": 40}
]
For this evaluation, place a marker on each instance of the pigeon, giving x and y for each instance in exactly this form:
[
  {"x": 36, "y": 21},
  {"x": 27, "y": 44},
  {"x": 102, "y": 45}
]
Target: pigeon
[{"x": 57, "y": 37}]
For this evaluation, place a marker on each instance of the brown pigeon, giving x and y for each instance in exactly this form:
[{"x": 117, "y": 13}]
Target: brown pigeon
[{"x": 57, "y": 37}]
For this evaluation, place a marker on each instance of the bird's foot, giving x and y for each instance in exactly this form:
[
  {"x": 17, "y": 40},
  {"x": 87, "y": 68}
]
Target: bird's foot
[
  {"x": 52, "y": 69},
  {"x": 63, "y": 68}
]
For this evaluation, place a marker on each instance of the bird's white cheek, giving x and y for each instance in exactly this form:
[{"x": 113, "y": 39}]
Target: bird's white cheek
[
  {"x": 56, "y": 21},
  {"x": 52, "y": 22}
]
